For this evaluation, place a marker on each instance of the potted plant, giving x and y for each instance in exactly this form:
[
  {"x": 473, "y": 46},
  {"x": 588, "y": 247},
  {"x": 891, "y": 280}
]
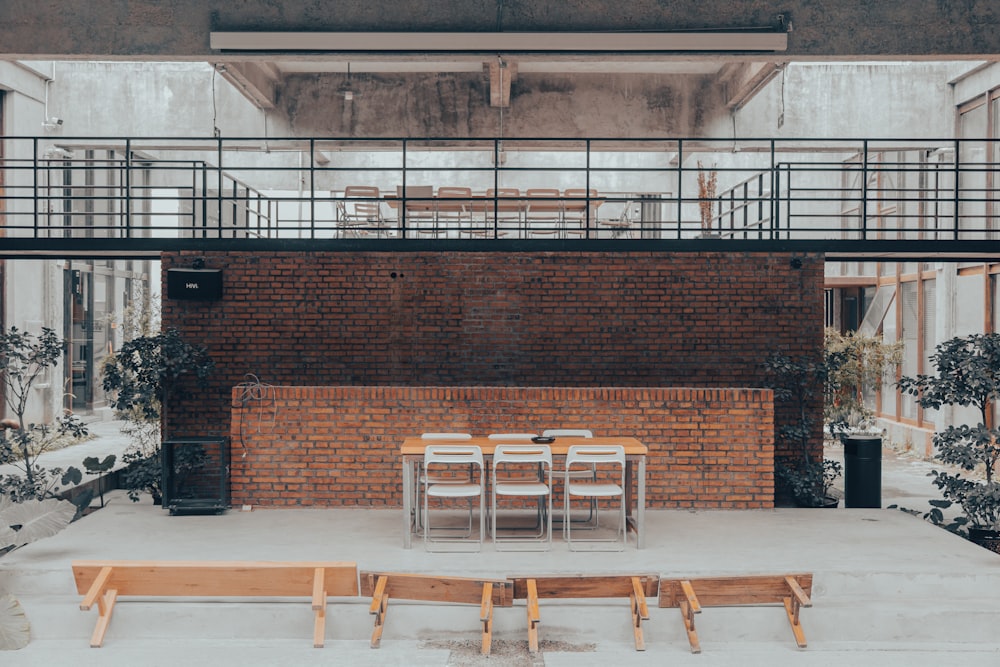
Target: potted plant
[
  {"x": 141, "y": 379},
  {"x": 854, "y": 362},
  {"x": 968, "y": 374},
  {"x": 801, "y": 472},
  {"x": 708, "y": 183}
]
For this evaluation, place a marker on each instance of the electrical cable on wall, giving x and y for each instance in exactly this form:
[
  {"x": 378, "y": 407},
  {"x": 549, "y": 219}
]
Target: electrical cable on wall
[{"x": 252, "y": 390}]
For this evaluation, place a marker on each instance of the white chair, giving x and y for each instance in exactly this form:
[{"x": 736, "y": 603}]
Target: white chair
[
  {"x": 603, "y": 460},
  {"x": 568, "y": 433},
  {"x": 422, "y": 474},
  {"x": 361, "y": 211},
  {"x": 523, "y": 471},
  {"x": 543, "y": 212},
  {"x": 592, "y": 517},
  {"x": 580, "y": 210},
  {"x": 454, "y": 210},
  {"x": 420, "y": 209},
  {"x": 503, "y": 208},
  {"x": 511, "y": 436},
  {"x": 451, "y": 463}
]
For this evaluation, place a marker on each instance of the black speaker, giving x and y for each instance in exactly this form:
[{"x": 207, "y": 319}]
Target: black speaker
[{"x": 194, "y": 284}]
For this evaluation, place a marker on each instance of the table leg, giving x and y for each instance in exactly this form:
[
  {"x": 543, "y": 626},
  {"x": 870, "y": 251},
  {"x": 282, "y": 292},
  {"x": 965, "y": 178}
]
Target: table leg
[
  {"x": 638, "y": 519},
  {"x": 640, "y": 512},
  {"x": 407, "y": 500}
]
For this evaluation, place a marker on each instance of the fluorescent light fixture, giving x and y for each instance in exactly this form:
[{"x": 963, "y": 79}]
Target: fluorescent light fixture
[{"x": 505, "y": 42}]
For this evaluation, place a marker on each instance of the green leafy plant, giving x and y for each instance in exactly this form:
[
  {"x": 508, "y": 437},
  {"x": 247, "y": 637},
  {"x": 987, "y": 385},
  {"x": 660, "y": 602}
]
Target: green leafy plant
[
  {"x": 142, "y": 378},
  {"x": 801, "y": 472},
  {"x": 95, "y": 466},
  {"x": 968, "y": 374},
  {"x": 24, "y": 359},
  {"x": 142, "y": 472},
  {"x": 22, "y": 523}
]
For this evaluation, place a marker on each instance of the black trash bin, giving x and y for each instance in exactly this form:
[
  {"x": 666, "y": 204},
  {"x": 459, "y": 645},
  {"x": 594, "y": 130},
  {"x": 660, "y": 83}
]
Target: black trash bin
[
  {"x": 862, "y": 471},
  {"x": 195, "y": 475}
]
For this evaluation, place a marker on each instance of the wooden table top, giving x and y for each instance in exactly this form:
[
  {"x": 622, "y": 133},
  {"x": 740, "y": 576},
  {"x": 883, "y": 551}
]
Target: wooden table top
[
  {"x": 482, "y": 203},
  {"x": 414, "y": 446}
]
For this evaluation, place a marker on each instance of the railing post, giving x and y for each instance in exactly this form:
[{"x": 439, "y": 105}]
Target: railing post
[
  {"x": 496, "y": 189},
  {"x": 218, "y": 196},
  {"x": 586, "y": 190},
  {"x": 775, "y": 190},
  {"x": 680, "y": 188},
  {"x": 204, "y": 200},
  {"x": 956, "y": 218},
  {"x": 128, "y": 188},
  {"x": 312, "y": 188},
  {"x": 34, "y": 185},
  {"x": 863, "y": 208},
  {"x": 402, "y": 197}
]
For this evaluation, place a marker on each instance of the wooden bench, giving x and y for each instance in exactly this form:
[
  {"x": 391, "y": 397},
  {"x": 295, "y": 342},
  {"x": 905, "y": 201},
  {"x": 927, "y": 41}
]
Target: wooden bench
[
  {"x": 690, "y": 595},
  {"x": 634, "y": 587},
  {"x": 487, "y": 593},
  {"x": 104, "y": 582}
]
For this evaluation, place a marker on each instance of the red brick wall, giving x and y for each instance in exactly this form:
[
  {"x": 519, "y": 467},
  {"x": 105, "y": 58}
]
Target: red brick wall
[
  {"x": 338, "y": 446},
  {"x": 548, "y": 319}
]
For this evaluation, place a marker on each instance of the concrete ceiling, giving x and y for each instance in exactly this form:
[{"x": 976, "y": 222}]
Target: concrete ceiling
[{"x": 259, "y": 78}]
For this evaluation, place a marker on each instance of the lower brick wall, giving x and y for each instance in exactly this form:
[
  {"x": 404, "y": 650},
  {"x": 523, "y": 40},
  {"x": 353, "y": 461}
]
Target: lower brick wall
[{"x": 338, "y": 446}]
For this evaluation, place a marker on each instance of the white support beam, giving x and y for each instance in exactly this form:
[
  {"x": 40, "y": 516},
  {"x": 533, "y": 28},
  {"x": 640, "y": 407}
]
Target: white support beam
[
  {"x": 745, "y": 80},
  {"x": 256, "y": 80},
  {"x": 735, "y": 41},
  {"x": 501, "y": 74}
]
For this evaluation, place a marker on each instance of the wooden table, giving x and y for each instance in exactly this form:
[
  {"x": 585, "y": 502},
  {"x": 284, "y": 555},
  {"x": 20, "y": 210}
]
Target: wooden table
[
  {"x": 412, "y": 454},
  {"x": 477, "y": 206}
]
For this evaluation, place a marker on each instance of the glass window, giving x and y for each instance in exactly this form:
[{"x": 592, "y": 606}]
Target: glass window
[
  {"x": 909, "y": 335},
  {"x": 930, "y": 336},
  {"x": 968, "y": 304},
  {"x": 889, "y": 335},
  {"x": 972, "y": 179}
]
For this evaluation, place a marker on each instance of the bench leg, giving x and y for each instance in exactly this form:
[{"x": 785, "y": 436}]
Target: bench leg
[
  {"x": 105, "y": 605},
  {"x": 640, "y": 612},
  {"x": 319, "y": 607},
  {"x": 486, "y": 617},
  {"x": 378, "y": 608},
  {"x": 687, "y": 614},
  {"x": 533, "y": 616},
  {"x": 792, "y": 611}
]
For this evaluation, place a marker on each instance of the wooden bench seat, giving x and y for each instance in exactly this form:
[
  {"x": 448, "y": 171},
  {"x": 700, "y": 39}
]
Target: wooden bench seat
[
  {"x": 691, "y": 595},
  {"x": 487, "y": 593},
  {"x": 634, "y": 587},
  {"x": 103, "y": 582}
]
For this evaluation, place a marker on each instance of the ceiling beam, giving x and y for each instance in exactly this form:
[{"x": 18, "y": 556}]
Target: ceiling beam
[
  {"x": 744, "y": 80},
  {"x": 255, "y": 80},
  {"x": 501, "y": 74},
  {"x": 733, "y": 41}
]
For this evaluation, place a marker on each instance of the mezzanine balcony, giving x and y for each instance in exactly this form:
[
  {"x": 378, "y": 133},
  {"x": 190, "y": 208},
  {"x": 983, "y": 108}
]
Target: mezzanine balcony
[{"x": 889, "y": 199}]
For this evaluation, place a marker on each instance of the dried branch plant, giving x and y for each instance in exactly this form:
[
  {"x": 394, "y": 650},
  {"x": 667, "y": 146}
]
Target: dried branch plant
[{"x": 708, "y": 182}]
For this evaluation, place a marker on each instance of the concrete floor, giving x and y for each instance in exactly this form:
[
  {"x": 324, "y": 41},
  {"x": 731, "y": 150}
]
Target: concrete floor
[{"x": 889, "y": 589}]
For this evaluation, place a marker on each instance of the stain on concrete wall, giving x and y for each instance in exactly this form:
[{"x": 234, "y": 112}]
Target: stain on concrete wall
[{"x": 457, "y": 105}]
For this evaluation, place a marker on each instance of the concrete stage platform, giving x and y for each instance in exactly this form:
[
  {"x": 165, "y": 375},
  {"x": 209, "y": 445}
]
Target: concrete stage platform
[{"x": 889, "y": 589}]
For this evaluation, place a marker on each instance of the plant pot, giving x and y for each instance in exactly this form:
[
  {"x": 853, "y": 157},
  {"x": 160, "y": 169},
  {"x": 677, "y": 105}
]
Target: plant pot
[
  {"x": 985, "y": 537},
  {"x": 827, "y": 502}
]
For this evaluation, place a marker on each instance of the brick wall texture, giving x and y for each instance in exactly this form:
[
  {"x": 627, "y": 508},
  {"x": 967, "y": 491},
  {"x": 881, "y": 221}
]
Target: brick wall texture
[{"x": 364, "y": 348}]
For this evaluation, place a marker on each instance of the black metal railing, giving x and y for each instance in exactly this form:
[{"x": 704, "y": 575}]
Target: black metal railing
[{"x": 128, "y": 195}]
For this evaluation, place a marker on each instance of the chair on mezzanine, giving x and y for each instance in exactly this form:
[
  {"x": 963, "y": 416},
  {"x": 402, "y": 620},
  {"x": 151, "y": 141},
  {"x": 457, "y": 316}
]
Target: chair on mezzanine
[
  {"x": 361, "y": 212},
  {"x": 580, "y": 211},
  {"x": 543, "y": 212}
]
